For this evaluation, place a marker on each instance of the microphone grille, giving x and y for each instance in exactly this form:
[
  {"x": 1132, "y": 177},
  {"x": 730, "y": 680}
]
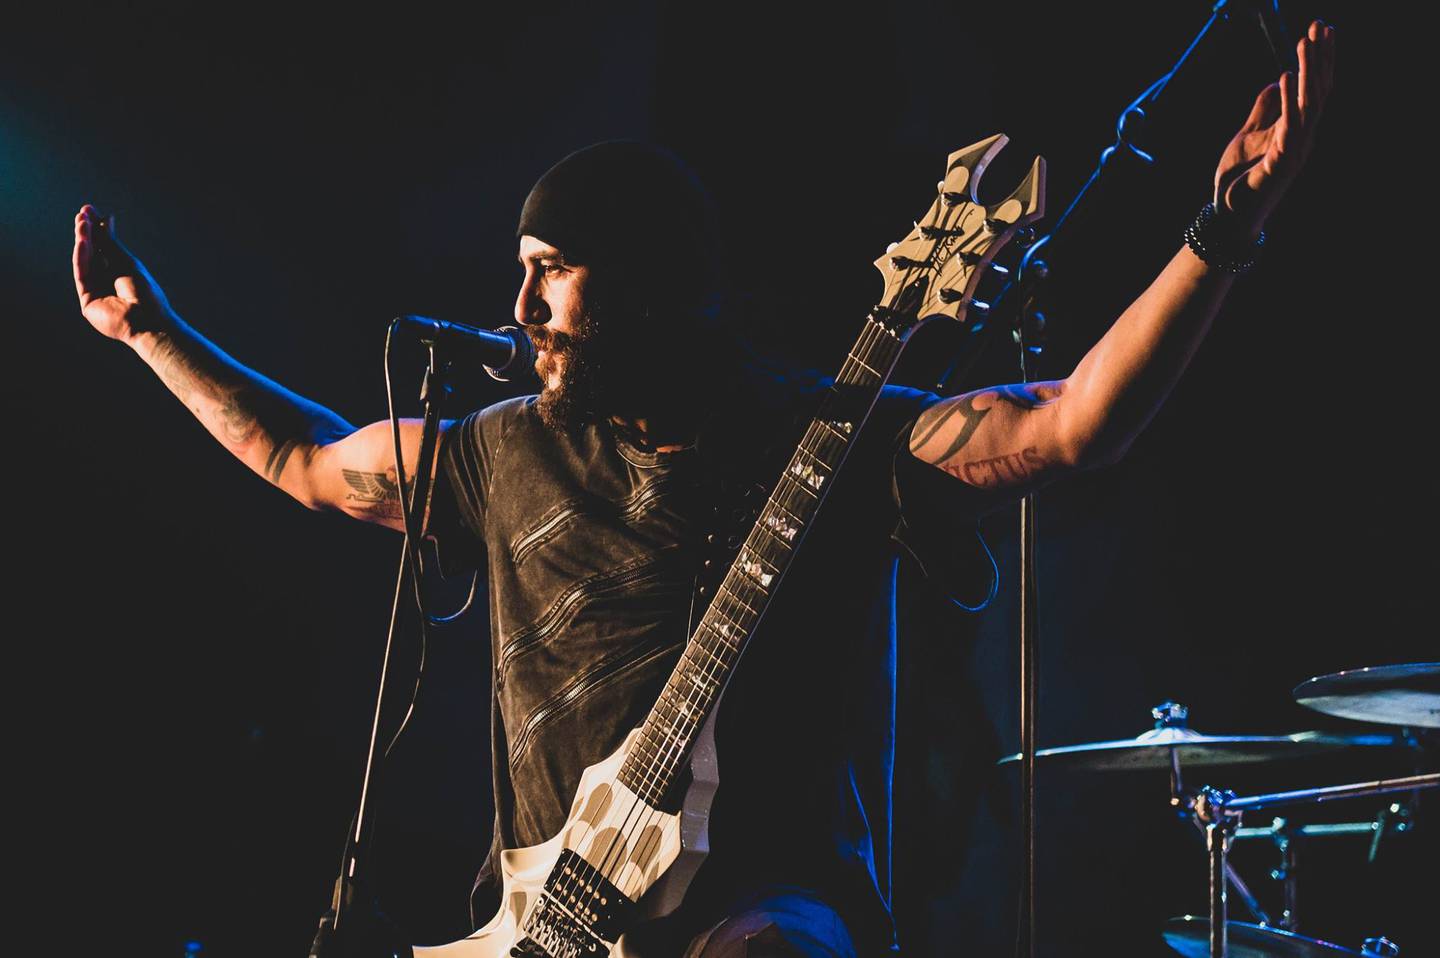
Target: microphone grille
[{"x": 521, "y": 362}]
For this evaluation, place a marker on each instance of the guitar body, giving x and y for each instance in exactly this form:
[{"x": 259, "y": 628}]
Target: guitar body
[{"x": 653, "y": 867}]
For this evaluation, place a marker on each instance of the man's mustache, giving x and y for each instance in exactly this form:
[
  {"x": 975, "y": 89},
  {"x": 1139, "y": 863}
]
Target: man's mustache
[{"x": 553, "y": 341}]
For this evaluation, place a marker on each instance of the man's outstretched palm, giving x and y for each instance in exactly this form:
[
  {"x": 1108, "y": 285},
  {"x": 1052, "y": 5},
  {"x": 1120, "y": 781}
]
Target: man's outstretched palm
[{"x": 1263, "y": 158}]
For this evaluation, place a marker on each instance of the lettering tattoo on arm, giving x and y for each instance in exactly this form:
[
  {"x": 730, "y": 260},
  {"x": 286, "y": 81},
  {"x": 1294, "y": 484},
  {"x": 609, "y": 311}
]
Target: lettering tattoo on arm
[
  {"x": 1009, "y": 469},
  {"x": 374, "y": 493}
]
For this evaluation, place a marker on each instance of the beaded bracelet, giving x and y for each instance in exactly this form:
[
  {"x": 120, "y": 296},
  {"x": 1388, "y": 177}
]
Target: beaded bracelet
[{"x": 1208, "y": 236}]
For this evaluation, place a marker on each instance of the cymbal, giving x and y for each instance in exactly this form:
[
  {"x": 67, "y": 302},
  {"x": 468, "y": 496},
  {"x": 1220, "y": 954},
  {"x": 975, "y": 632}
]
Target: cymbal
[
  {"x": 1151, "y": 750},
  {"x": 1388, "y": 694},
  {"x": 1190, "y": 936}
]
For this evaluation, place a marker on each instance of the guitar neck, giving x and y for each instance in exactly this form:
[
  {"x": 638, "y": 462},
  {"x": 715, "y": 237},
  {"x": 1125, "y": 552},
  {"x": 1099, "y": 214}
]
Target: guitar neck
[
  {"x": 932, "y": 272},
  {"x": 662, "y": 748}
]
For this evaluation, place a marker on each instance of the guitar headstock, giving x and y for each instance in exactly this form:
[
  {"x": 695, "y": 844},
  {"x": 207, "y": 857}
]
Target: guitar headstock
[{"x": 933, "y": 271}]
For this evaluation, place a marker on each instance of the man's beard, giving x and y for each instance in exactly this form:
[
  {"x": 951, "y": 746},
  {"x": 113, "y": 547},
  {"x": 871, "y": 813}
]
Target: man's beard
[
  {"x": 578, "y": 397},
  {"x": 613, "y": 366}
]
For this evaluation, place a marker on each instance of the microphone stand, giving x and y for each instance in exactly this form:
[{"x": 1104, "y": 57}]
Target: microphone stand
[
  {"x": 354, "y": 927},
  {"x": 1027, "y": 326}
]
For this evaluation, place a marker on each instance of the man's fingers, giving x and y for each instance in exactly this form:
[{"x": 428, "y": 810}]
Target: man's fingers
[
  {"x": 1265, "y": 111},
  {"x": 1327, "y": 62},
  {"x": 1305, "y": 89},
  {"x": 1289, "y": 110},
  {"x": 80, "y": 257}
]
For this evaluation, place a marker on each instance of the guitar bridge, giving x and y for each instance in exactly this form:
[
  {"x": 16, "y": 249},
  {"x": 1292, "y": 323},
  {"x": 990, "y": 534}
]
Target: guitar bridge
[{"x": 577, "y": 913}]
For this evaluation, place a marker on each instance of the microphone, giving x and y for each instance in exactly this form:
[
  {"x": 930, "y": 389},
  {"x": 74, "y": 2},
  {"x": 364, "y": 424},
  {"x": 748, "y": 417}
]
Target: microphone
[{"x": 506, "y": 353}]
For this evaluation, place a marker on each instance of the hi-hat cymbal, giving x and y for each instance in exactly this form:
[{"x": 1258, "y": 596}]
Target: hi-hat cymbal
[
  {"x": 1190, "y": 936},
  {"x": 1388, "y": 694},
  {"x": 1151, "y": 751}
]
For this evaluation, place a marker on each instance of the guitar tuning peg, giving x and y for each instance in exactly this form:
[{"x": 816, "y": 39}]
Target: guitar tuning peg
[
  {"x": 891, "y": 247},
  {"x": 1000, "y": 270},
  {"x": 979, "y": 307},
  {"x": 940, "y": 186},
  {"x": 948, "y": 295}
]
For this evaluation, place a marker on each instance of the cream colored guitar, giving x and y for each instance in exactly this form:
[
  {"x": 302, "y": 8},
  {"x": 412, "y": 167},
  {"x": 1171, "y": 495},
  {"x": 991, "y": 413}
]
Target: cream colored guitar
[{"x": 631, "y": 845}]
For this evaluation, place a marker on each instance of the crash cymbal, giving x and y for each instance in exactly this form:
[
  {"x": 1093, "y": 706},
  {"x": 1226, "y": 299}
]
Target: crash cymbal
[
  {"x": 1190, "y": 936},
  {"x": 1151, "y": 751},
  {"x": 1388, "y": 694}
]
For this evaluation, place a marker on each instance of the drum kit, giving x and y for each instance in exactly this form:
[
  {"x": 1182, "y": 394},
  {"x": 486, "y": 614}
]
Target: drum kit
[{"x": 1405, "y": 696}]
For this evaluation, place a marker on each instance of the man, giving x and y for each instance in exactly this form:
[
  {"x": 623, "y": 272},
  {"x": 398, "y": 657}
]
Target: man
[{"x": 593, "y": 507}]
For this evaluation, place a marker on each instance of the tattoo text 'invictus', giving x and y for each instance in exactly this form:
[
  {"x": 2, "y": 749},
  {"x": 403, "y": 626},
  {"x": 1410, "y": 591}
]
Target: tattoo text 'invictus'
[{"x": 1005, "y": 470}]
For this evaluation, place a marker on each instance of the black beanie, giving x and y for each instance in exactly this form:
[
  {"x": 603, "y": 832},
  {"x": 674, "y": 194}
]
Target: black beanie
[{"x": 633, "y": 208}]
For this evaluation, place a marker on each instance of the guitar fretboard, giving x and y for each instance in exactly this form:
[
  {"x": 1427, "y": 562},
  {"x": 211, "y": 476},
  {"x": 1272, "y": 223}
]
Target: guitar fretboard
[{"x": 661, "y": 750}]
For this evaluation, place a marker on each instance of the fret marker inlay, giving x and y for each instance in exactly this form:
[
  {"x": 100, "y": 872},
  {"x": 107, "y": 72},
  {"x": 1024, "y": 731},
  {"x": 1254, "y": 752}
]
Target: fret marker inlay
[{"x": 807, "y": 474}]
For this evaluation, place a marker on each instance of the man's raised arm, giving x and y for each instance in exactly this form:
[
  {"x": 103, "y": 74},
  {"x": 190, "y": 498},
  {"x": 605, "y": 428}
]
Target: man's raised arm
[
  {"x": 1009, "y": 439},
  {"x": 303, "y": 448}
]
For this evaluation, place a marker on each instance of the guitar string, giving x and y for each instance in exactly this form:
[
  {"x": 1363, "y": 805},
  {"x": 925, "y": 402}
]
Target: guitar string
[
  {"x": 658, "y": 765},
  {"x": 653, "y": 774},
  {"x": 873, "y": 332},
  {"x": 718, "y": 660},
  {"x": 814, "y": 430},
  {"x": 814, "y": 434},
  {"x": 661, "y": 764},
  {"x": 682, "y": 733},
  {"x": 884, "y": 362}
]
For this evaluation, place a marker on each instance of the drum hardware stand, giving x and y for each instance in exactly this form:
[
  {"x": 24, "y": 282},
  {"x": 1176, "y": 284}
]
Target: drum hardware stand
[
  {"x": 1393, "y": 819},
  {"x": 1170, "y": 714},
  {"x": 1220, "y": 813}
]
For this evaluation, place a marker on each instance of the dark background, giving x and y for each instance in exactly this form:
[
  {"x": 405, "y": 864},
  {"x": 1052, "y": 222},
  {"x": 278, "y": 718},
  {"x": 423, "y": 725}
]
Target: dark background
[{"x": 194, "y": 655}]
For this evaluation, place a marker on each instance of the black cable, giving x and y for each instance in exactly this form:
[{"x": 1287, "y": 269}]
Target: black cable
[{"x": 412, "y": 538}]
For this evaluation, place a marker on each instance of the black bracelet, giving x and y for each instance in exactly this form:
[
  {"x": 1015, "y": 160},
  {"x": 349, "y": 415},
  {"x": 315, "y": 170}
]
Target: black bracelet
[{"x": 1211, "y": 240}]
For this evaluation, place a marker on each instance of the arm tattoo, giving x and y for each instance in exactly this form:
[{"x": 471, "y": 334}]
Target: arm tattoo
[
  {"x": 237, "y": 421},
  {"x": 1016, "y": 396},
  {"x": 376, "y": 493},
  {"x": 186, "y": 378},
  {"x": 965, "y": 408},
  {"x": 279, "y": 455},
  {"x": 176, "y": 371},
  {"x": 1008, "y": 469}
]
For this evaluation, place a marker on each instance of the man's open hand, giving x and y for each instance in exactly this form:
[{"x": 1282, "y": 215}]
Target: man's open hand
[{"x": 1264, "y": 157}]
